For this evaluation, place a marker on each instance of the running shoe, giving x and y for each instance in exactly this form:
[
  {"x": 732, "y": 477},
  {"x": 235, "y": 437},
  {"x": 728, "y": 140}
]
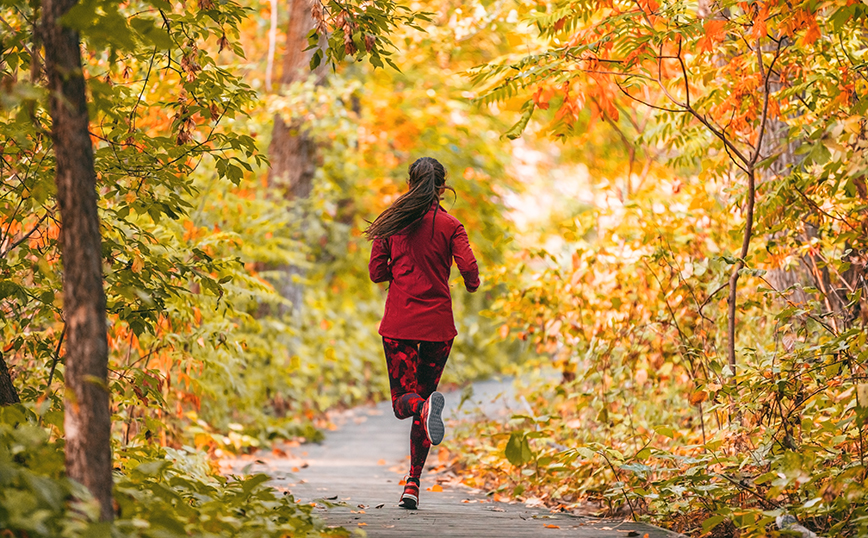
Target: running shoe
[
  {"x": 432, "y": 422},
  {"x": 410, "y": 497}
]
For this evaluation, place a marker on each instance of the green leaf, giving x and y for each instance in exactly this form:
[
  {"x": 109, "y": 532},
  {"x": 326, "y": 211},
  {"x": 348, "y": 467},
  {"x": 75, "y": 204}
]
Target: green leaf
[
  {"x": 251, "y": 483},
  {"x": 153, "y": 468},
  {"x": 518, "y": 450},
  {"x": 516, "y": 130},
  {"x": 586, "y": 452},
  {"x": 712, "y": 522},
  {"x": 665, "y": 431}
]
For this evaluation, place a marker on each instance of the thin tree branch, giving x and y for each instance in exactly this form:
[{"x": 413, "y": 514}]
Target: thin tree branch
[
  {"x": 56, "y": 357},
  {"x": 710, "y": 296},
  {"x": 646, "y": 103},
  {"x": 25, "y": 237}
]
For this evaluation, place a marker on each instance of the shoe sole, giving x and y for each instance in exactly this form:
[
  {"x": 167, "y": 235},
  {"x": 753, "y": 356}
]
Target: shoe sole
[
  {"x": 434, "y": 426},
  {"x": 410, "y": 502}
]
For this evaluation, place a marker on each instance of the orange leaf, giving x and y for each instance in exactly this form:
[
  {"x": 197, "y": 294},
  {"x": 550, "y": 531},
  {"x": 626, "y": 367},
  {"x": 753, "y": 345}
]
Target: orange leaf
[
  {"x": 552, "y": 527},
  {"x": 714, "y": 33},
  {"x": 436, "y": 488},
  {"x": 813, "y": 31},
  {"x": 759, "y": 23},
  {"x": 542, "y": 96},
  {"x": 649, "y": 6},
  {"x": 698, "y": 397}
]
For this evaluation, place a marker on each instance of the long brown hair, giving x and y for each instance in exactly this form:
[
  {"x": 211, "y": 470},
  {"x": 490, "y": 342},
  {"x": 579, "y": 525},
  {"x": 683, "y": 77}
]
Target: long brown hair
[{"x": 427, "y": 177}]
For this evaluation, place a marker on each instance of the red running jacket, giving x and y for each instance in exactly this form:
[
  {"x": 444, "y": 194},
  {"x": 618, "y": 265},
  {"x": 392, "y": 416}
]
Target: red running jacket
[{"x": 418, "y": 262}]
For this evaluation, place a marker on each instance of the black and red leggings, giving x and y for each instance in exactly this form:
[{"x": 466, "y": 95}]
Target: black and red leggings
[{"x": 414, "y": 371}]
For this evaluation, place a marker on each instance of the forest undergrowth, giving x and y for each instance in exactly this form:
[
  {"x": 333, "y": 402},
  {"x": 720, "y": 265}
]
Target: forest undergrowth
[
  {"x": 704, "y": 293},
  {"x": 206, "y": 357}
]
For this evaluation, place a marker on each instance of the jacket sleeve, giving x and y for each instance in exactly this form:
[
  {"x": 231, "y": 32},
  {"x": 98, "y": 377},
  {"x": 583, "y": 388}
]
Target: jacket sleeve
[
  {"x": 378, "y": 268},
  {"x": 464, "y": 259}
]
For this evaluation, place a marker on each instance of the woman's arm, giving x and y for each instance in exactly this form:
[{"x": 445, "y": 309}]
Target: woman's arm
[
  {"x": 378, "y": 268},
  {"x": 464, "y": 259}
]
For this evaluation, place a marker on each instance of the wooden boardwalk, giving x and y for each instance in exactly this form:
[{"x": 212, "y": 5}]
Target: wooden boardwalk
[{"x": 353, "y": 477}]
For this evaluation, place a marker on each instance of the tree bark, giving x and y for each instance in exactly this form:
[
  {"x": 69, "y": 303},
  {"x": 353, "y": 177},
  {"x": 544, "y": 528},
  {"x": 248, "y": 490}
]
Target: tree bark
[
  {"x": 87, "y": 417},
  {"x": 8, "y": 394},
  {"x": 293, "y": 151}
]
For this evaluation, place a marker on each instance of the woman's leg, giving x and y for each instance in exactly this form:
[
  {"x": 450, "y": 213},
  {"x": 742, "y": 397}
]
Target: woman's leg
[
  {"x": 402, "y": 358},
  {"x": 432, "y": 360}
]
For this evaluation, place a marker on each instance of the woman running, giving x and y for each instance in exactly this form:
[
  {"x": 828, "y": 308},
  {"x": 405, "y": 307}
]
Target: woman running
[{"x": 415, "y": 241}]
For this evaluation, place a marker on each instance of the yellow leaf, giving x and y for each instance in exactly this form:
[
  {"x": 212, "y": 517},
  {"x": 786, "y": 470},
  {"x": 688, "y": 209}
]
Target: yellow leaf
[{"x": 138, "y": 262}]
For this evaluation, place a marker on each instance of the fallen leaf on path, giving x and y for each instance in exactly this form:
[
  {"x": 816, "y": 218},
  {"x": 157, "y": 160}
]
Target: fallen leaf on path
[
  {"x": 380, "y": 506},
  {"x": 363, "y": 524},
  {"x": 295, "y": 469},
  {"x": 362, "y": 506},
  {"x": 436, "y": 488},
  {"x": 381, "y": 462},
  {"x": 552, "y": 526},
  {"x": 495, "y": 509}
]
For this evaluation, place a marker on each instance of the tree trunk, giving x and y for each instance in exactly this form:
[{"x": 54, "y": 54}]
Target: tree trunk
[
  {"x": 87, "y": 419},
  {"x": 8, "y": 394},
  {"x": 293, "y": 150}
]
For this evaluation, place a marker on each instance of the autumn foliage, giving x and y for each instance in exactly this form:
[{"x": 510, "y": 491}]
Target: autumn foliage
[
  {"x": 713, "y": 412},
  {"x": 668, "y": 200}
]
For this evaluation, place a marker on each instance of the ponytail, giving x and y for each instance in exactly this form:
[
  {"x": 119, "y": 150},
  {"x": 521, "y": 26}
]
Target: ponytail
[{"x": 427, "y": 176}]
